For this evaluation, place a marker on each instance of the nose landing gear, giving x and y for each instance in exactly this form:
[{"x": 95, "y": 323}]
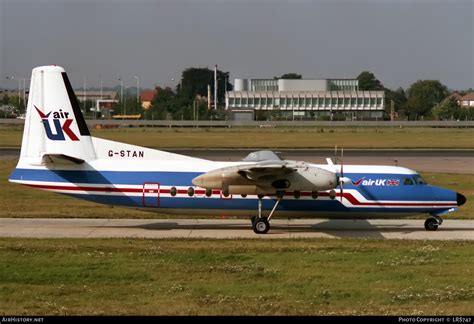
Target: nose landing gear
[{"x": 432, "y": 223}]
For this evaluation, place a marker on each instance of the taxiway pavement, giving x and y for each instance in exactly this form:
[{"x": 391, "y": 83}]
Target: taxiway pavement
[{"x": 232, "y": 228}]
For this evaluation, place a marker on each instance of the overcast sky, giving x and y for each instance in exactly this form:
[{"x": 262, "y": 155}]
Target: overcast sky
[{"x": 399, "y": 41}]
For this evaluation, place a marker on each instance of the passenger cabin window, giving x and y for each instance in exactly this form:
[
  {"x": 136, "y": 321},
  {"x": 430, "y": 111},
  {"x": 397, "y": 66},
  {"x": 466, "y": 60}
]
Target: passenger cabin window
[
  {"x": 407, "y": 182},
  {"x": 173, "y": 191}
]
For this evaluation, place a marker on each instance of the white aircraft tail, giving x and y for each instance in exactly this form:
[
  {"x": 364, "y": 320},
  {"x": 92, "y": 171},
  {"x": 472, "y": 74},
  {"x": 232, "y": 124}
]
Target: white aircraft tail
[{"x": 55, "y": 130}]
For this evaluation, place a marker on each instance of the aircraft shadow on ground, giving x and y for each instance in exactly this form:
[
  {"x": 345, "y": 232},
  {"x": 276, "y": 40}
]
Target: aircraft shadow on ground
[{"x": 336, "y": 228}]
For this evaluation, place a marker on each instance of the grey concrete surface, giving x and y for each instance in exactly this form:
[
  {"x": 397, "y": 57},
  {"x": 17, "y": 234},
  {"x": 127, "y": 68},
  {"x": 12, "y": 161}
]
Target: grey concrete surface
[{"x": 232, "y": 228}]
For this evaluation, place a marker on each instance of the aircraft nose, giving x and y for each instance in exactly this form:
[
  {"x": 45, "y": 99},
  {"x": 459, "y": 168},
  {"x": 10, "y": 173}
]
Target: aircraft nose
[{"x": 461, "y": 199}]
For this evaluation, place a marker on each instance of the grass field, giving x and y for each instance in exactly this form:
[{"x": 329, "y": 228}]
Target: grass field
[
  {"x": 386, "y": 138},
  {"x": 235, "y": 277},
  {"x": 21, "y": 201}
]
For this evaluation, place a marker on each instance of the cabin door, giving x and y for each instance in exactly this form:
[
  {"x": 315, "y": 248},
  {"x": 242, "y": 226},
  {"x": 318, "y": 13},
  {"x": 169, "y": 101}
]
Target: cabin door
[{"x": 151, "y": 194}]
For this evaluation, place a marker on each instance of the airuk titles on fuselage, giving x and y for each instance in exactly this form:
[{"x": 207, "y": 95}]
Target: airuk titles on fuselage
[
  {"x": 60, "y": 114},
  {"x": 377, "y": 182}
]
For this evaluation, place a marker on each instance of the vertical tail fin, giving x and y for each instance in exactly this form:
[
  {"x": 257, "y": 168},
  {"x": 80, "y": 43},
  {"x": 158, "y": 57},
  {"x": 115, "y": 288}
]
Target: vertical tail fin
[{"x": 54, "y": 124}]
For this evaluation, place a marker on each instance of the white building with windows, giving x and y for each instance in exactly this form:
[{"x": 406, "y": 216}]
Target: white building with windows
[{"x": 304, "y": 97}]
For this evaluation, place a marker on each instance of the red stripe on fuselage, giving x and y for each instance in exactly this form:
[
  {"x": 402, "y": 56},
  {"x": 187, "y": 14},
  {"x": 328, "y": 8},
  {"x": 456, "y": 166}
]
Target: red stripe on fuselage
[{"x": 347, "y": 195}]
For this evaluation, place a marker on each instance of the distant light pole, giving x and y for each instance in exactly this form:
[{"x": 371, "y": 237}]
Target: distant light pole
[
  {"x": 215, "y": 87},
  {"x": 121, "y": 95},
  {"x": 84, "y": 96},
  {"x": 101, "y": 86},
  {"x": 24, "y": 91},
  {"x": 138, "y": 91},
  {"x": 97, "y": 106}
]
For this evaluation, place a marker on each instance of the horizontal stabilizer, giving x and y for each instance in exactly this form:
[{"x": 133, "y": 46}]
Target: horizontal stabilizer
[{"x": 61, "y": 159}]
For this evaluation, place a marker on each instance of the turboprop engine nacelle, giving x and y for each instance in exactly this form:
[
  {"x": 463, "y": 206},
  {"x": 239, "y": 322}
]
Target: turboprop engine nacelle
[
  {"x": 228, "y": 179},
  {"x": 267, "y": 180},
  {"x": 313, "y": 179}
]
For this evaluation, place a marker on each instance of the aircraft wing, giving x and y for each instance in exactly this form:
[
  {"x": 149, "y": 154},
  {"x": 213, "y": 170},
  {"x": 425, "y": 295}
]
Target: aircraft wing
[{"x": 258, "y": 170}]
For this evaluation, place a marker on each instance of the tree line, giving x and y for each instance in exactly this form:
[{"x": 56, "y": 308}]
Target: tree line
[{"x": 424, "y": 99}]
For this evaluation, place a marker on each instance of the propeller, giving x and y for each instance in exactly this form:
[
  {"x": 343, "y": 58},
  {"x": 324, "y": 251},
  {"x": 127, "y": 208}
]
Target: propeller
[{"x": 341, "y": 179}]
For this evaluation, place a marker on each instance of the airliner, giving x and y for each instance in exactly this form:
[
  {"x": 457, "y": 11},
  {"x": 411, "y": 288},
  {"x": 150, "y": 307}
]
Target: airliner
[{"x": 59, "y": 154}]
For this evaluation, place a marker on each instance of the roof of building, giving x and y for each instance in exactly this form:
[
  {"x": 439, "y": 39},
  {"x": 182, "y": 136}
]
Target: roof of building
[
  {"x": 455, "y": 95},
  {"x": 468, "y": 97},
  {"x": 147, "y": 95}
]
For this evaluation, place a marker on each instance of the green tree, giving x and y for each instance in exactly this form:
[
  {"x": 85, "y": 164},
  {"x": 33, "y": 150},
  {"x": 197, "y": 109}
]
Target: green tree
[
  {"x": 398, "y": 97},
  {"x": 448, "y": 109},
  {"x": 13, "y": 102},
  {"x": 194, "y": 81},
  {"x": 368, "y": 81},
  {"x": 163, "y": 104},
  {"x": 464, "y": 92},
  {"x": 89, "y": 104},
  {"x": 423, "y": 95},
  {"x": 467, "y": 113},
  {"x": 291, "y": 76},
  {"x": 5, "y": 99}
]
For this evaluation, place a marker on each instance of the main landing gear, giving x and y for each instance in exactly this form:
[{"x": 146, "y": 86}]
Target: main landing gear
[
  {"x": 432, "y": 223},
  {"x": 261, "y": 224}
]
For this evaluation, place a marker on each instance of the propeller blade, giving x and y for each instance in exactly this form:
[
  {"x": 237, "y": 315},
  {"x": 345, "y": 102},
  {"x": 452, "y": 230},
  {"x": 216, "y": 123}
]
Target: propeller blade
[
  {"x": 341, "y": 179},
  {"x": 342, "y": 162}
]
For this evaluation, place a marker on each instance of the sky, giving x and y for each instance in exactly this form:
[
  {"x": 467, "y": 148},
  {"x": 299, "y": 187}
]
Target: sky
[{"x": 399, "y": 41}]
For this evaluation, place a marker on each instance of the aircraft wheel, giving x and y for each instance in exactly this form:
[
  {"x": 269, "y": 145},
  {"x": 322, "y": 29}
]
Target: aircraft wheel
[
  {"x": 261, "y": 226},
  {"x": 431, "y": 224}
]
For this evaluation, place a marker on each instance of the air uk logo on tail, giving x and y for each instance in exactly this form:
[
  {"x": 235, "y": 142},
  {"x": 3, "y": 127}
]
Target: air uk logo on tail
[{"x": 62, "y": 125}]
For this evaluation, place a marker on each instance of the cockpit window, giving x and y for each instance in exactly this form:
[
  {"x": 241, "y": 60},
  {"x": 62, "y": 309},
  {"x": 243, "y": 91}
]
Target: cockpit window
[
  {"x": 407, "y": 182},
  {"x": 419, "y": 180}
]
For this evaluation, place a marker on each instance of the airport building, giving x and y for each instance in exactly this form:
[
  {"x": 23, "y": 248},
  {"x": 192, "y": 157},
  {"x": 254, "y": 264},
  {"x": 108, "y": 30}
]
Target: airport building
[
  {"x": 304, "y": 98},
  {"x": 96, "y": 95}
]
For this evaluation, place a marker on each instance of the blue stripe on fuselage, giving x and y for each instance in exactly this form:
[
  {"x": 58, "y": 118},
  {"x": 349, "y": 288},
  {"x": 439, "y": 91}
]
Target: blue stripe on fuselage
[
  {"x": 165, "y": 178},
  {"x": 308, "y": 206}
]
